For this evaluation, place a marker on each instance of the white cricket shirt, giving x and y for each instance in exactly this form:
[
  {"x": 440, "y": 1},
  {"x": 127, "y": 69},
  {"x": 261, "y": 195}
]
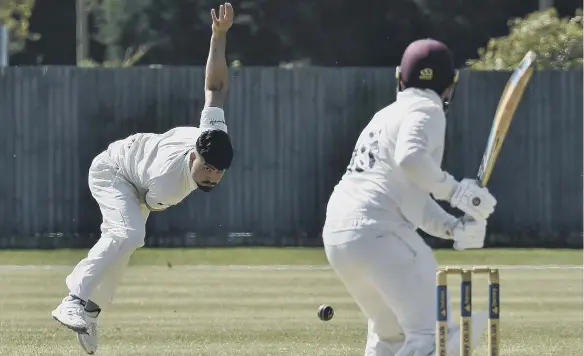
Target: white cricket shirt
[
  {"x": 394, "y": 167},
  {"x": 158, "y": 164}
]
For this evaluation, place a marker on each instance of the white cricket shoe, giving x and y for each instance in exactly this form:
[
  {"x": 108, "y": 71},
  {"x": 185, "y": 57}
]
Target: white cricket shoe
[
  {"x": 89, "y": 341},
  {"x": 479, "y": 324},
  {"x": 71, "y": 314}
]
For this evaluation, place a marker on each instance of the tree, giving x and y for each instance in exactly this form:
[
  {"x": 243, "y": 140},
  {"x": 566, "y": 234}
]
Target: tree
[
  {"x": 131, "y": 57},
  {"x": 112, "y": 19},
  {"x": 557, "y": 42},
  {"x": 15, "y": 15}
]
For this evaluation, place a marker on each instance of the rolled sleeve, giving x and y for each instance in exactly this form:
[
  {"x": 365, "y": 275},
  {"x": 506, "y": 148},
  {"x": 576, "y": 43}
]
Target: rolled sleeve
[{"x": 213, "y": 118}]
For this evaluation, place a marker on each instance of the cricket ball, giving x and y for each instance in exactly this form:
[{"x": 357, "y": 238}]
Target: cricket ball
[{"x": 325, "y": 312}]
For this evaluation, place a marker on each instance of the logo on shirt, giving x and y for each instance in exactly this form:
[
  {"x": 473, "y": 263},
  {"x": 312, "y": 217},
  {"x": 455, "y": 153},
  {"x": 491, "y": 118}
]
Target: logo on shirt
[
  {"x": 426, "y": 74},
  {"x": 215, "y": 122}
]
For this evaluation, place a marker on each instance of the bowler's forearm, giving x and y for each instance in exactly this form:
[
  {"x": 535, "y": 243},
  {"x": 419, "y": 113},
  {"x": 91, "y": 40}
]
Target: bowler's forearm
[{"x": 216, "y": 69}]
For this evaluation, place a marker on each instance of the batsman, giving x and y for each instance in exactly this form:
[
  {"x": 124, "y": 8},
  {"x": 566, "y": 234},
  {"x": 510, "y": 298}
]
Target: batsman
[{"x": 370, "y": 236}]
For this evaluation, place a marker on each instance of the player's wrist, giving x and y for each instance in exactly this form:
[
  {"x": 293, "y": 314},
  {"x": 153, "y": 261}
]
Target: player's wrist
[
  {"x": 450, "y": 226},
  {"x": 218, "y": 33},
  {"x": 446, "y": 188}
]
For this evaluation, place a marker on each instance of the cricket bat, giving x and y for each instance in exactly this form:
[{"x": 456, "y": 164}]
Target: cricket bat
[{"x": 505, "y": 110}]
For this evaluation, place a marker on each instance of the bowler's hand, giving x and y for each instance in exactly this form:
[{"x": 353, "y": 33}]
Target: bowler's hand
[
  {"x": 223, "y": 22},
  {"x": 151, "y": 203}
]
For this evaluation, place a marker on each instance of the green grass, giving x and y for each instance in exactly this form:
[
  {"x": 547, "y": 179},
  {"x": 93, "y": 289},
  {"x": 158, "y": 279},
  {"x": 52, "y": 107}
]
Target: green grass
[
  {"x": 205, "y": 312},
  {"x": 287, "y": 256},
  {"x": 164, "y": 312}
]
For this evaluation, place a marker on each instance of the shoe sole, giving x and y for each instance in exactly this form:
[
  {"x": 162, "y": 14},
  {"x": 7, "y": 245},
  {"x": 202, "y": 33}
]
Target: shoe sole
[
  {"x": 77, "y": 330},
  {"x": 79, "y": 338}
]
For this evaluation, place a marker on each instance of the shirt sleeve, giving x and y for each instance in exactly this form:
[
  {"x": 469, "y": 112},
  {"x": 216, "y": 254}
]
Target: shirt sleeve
[
  {"x": 213, "y": 118},
  {"x": 415, "y": 139},
  {"x": 152, "y": 198},
  {"x": 436, "y": 221}
]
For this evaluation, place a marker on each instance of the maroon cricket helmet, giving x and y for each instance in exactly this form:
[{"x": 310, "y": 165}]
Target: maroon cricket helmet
[{"x": 428, "y": 64}]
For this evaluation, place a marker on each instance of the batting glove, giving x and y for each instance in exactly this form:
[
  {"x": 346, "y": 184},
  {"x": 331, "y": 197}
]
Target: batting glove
[
  {"x": 473, "y": 200},
  {"x": 469, "y": 233}
]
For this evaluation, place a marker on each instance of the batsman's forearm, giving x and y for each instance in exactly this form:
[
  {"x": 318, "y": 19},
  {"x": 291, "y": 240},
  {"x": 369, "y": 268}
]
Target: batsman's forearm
[
  {"x": 216, "y": 68},
  {"x": 421, "y": 169},
  {"x": 435, "y": 221}
]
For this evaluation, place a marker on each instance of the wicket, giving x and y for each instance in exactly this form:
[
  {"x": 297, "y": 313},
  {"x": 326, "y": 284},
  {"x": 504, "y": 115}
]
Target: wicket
[{"x": 466, "y": 309}]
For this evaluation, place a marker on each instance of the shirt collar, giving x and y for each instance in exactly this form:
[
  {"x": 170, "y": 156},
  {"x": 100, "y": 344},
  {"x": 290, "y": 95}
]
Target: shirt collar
[
  {"x": 425, "y": 93},
  {"x": 192, "y": 184}
]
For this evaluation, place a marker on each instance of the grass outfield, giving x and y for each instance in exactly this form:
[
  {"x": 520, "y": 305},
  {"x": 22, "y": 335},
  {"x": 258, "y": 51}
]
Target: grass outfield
[
  {"x": 287, "y": 256},
  {"x": 216, "y": 312}
]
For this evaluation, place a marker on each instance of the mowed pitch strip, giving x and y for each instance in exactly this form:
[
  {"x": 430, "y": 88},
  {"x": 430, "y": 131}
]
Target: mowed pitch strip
[{"x": 267, "y": 310}]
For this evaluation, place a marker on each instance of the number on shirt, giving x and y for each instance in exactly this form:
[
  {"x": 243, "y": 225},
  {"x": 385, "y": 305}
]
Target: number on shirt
[{"x": 365, "y": 154}]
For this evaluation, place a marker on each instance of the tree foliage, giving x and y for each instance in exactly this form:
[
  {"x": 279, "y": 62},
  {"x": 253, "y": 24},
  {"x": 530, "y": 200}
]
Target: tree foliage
[
  {"x": 271, "y": 32},
  {"x": 557, "y": 42},
  {"x": 15, "y": 15},
  {"x": 113, "y": 19}
]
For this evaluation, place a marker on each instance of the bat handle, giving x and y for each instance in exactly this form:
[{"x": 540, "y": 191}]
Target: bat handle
[{"x": 467, "y": 218}]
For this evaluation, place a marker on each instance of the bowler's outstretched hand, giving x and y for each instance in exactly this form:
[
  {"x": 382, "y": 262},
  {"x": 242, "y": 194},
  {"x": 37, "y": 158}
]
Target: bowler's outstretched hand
[{"x": 223, "y": 22}]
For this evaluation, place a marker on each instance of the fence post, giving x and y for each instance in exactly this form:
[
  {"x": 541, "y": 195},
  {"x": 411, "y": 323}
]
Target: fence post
[{"x": 4, "y": 45}]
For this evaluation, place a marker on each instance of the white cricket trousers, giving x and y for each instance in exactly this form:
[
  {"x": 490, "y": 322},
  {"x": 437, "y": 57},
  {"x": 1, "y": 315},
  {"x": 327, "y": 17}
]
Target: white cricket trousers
[
  {"x": 391, "y": 275},
  {"x": 123, "y": 229}
]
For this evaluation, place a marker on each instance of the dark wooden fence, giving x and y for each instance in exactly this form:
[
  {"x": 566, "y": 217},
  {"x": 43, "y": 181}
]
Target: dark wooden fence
[{"x": 293, "y": 131}]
